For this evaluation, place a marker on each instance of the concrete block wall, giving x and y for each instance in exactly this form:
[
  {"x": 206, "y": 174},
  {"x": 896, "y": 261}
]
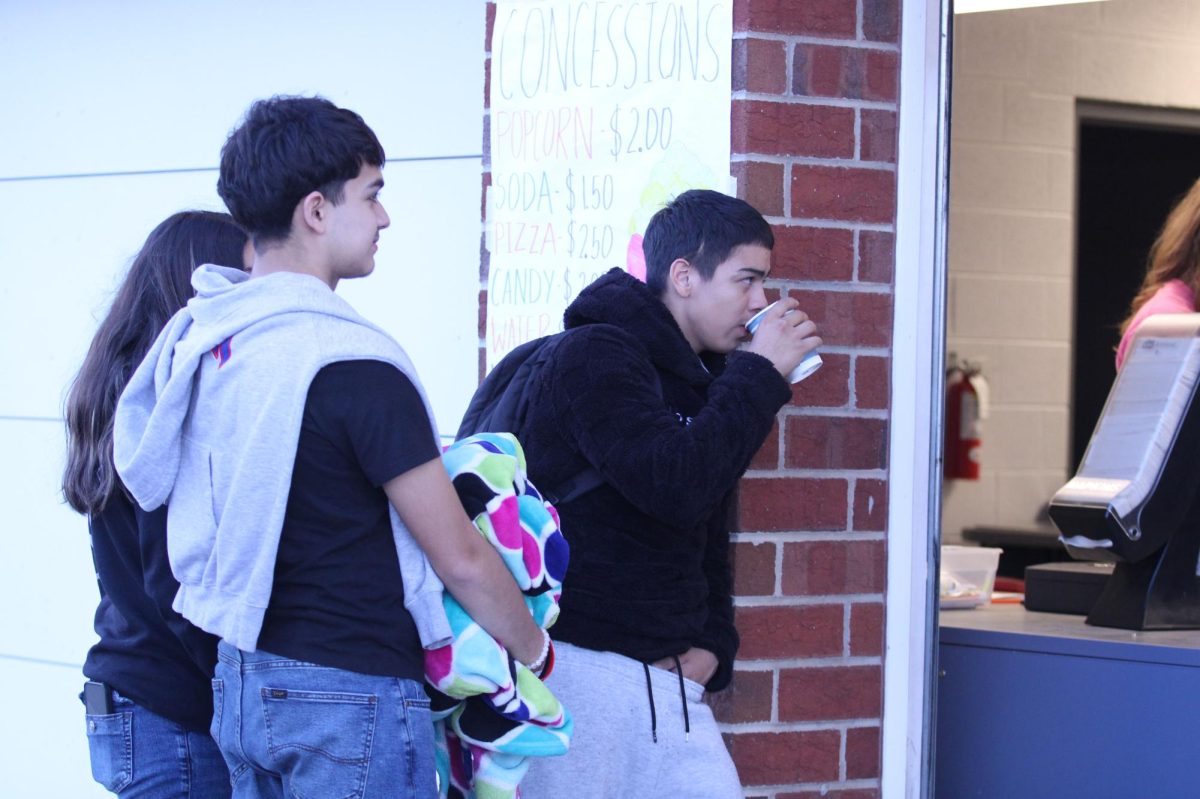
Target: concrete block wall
[{"x": 1016, "y": 78}]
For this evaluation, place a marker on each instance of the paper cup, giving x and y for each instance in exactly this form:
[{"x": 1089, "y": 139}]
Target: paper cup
[{"x": 812, "y": 361}]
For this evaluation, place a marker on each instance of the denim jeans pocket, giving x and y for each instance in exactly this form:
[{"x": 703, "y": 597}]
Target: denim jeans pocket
[
  {"x": 110, "y": 745},
  {"x": 418, "y": 725},
  {"x": 330, "y": 730}
]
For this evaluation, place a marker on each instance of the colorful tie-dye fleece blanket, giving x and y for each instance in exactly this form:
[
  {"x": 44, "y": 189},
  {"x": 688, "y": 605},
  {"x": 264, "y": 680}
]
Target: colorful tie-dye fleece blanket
[{"x": 491, "y": 712}]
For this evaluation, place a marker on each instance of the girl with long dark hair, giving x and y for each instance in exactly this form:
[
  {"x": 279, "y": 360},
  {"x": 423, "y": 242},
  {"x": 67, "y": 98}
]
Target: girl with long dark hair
[{"x": 149, "y": 696}]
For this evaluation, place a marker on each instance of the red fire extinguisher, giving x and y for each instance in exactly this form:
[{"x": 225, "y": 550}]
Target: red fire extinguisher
[{"x": 966, "y": 402}]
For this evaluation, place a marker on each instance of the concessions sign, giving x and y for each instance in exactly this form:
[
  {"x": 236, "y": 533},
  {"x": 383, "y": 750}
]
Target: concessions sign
[{"x": 600, "y": 113}]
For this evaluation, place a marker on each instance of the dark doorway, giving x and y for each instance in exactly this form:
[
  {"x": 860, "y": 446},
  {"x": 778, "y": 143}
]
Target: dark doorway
[{"x": 1131, "y": 173}]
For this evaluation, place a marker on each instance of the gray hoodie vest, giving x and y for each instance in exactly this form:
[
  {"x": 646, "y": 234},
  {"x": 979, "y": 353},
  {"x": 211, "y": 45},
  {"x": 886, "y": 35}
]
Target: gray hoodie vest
[{"x": 210, "y": 421}]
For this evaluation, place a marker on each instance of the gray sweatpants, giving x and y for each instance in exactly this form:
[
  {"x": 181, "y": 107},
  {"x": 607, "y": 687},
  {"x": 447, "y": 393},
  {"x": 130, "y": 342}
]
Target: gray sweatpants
[{"x": 614, "y": 754}]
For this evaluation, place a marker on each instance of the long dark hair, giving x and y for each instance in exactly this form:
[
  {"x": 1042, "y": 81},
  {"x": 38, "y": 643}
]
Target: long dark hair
[{"x": 157, "y": 285}]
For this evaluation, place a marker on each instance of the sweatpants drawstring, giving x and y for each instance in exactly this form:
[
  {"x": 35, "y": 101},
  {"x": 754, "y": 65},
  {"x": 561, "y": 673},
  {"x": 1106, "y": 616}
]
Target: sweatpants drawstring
[
  {"x": 687, "y": 724},
  {"x": 650, "y": 693}
]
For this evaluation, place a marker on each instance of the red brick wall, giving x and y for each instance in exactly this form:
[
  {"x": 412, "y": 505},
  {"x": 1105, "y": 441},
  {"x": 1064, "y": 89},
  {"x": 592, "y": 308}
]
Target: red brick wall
[{"x": 815, "y": 89}]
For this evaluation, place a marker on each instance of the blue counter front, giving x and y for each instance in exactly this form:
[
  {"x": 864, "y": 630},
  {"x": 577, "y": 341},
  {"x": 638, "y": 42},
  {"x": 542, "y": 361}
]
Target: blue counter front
[{"x": 1042, "y": 705}]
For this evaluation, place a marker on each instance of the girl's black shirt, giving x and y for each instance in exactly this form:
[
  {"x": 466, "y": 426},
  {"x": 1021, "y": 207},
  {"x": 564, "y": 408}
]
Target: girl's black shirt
[{"x": 147, "y": 651}]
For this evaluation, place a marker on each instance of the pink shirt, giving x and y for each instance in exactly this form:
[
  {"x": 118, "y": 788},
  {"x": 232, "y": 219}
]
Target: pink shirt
[{"x": 1174, "y": 296}]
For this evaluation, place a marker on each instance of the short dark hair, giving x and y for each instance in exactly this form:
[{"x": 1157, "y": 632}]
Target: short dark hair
[
  {"x": 285, "y": 148},
  {"x": 703, "y": 227}
]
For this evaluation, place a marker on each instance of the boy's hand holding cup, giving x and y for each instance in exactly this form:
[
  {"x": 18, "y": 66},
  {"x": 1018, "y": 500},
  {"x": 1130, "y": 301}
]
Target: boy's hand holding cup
[{"x": 796, "y": 334}]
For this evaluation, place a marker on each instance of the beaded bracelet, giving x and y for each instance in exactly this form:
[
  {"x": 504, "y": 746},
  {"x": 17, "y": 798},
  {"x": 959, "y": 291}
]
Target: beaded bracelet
[
  {"x": 539, "y": 665},
  {"x": 549, "y": 667}
]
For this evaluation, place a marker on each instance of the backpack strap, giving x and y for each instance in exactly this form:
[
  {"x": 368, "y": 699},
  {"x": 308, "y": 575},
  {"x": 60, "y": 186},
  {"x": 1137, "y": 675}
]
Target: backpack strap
[{"x": 575, "y": 486}]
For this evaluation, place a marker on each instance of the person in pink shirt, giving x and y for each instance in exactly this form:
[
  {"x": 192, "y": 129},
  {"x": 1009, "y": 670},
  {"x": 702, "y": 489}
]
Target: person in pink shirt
[{"x": 1173, "y": 272}]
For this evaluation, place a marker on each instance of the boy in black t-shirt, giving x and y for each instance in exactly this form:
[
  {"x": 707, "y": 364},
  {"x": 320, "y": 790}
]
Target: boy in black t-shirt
[{"x": 307, "y": 478}]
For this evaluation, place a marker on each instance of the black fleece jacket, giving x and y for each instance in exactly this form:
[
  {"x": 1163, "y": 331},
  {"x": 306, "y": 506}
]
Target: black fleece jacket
[{"x": 649, "y": 574}]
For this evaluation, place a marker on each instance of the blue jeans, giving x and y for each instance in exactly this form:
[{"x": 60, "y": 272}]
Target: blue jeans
[
  {"x": 137, "y": 754},
  {"x": 296, "y": 729}
]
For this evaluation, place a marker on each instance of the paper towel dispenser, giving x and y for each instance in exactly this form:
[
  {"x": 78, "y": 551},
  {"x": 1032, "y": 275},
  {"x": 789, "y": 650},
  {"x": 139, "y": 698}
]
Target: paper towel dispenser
[{"x": 1133, "y": 500}]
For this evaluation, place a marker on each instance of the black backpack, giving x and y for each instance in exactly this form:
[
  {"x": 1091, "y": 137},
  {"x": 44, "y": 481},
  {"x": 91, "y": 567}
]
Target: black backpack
[{"x": 501, "y": 405}]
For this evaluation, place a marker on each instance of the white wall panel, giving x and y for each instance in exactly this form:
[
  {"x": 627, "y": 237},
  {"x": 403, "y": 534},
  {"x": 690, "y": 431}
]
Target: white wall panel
[
  {"x": 427, "y": 273},
  {"x": 45, "y": 752},
  {"x": 150, "y": 89},
  {"x": 68, "y": 243},
  {"x": 425, "y": 288},
  {"x": 47, "y": 582},
  {"x": 147, "y": 85}
]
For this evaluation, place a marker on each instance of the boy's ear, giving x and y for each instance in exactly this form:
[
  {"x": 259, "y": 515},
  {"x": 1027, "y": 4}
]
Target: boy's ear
[
  {"x": 312, "y": 211},
  {"x": 681, "y": 277}
]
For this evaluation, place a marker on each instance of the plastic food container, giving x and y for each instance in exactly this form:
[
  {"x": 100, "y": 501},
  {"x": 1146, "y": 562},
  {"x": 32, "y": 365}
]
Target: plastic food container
[{"x": 968, "y": 575}]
